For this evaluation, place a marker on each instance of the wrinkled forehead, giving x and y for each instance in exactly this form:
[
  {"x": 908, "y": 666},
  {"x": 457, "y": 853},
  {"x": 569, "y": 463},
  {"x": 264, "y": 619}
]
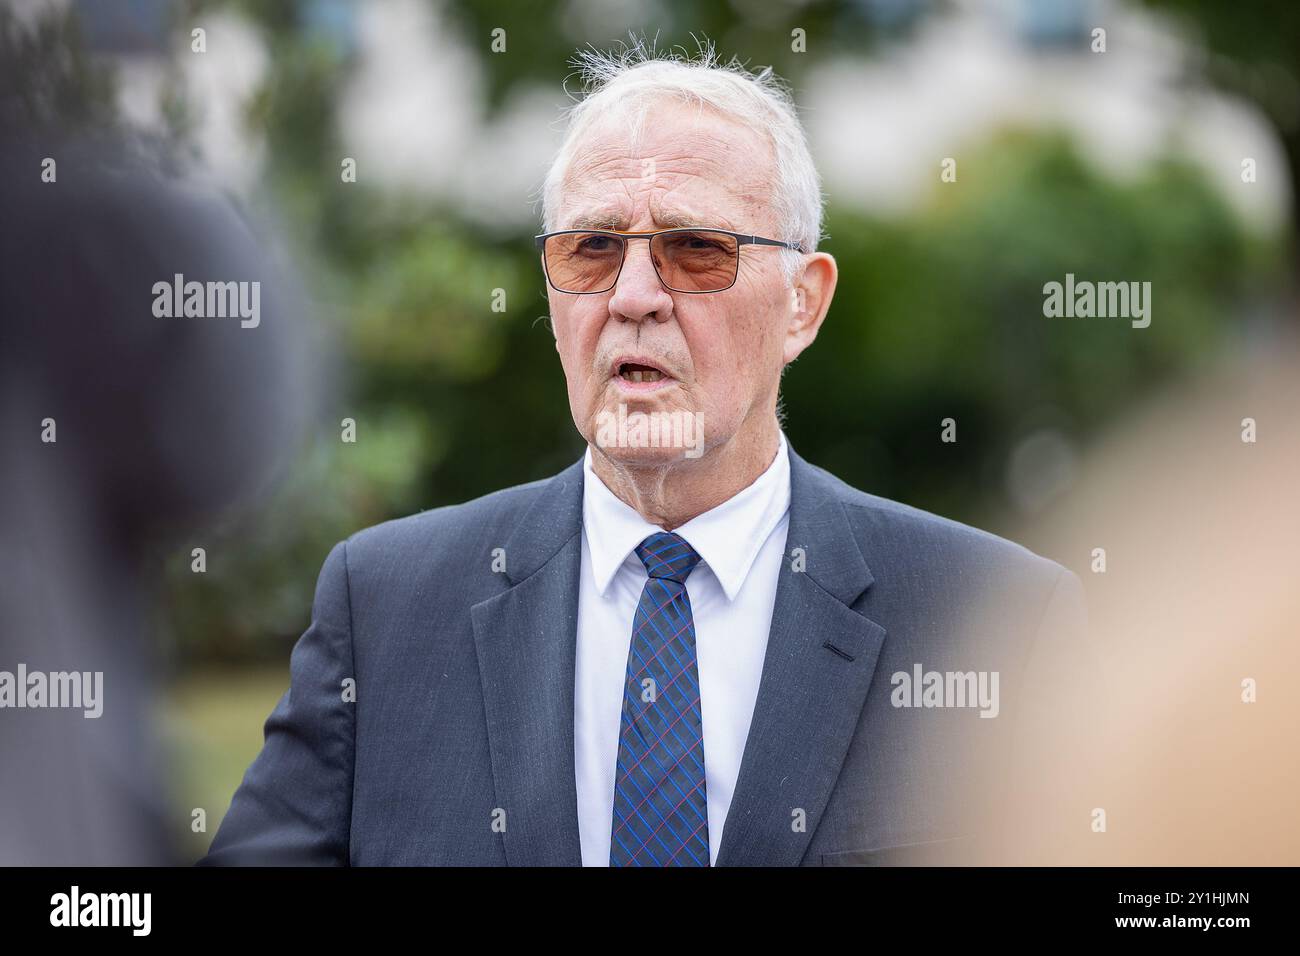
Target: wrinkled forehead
[{"x": 681, "y": 164}]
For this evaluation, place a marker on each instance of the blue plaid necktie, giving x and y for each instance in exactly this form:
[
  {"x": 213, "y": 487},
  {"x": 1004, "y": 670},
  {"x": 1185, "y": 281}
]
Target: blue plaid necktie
[{"x": 661, "y": 814}]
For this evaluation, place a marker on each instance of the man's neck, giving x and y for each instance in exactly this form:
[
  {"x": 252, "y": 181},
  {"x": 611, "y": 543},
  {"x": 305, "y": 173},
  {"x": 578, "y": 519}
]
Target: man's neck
[{"x": 669, "y": 494}]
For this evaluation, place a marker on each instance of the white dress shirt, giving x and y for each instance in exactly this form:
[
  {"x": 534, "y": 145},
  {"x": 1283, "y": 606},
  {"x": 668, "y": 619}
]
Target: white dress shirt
[{"x": 732, "y": 592}]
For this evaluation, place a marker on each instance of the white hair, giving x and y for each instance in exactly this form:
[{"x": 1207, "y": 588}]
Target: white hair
[{"x": 634, "y": 76}]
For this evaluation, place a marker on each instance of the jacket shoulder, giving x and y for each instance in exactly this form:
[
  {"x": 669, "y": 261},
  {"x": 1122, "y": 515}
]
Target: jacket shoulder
[
  {"x": 909, "y": 536},
  {"x": 480, "y": 523}
]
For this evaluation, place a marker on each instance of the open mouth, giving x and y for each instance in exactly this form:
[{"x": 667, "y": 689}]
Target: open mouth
[{"x": 635, "y": 372}]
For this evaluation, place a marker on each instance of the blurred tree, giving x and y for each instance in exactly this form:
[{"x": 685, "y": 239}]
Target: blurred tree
[
  {"x": 47, "y": 83},
  {"x": 934, "y": 317},
  {"x": 775, "y": 33},
  {"x": 1255, "y": 53},
  {"x": 940, "y": 315}
]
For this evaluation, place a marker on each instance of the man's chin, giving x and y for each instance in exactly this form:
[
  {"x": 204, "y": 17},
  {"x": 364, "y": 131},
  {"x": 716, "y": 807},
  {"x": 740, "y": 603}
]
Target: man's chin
[
  {"x": 647, "y": 433},
  {"x": 630, "y": 456}
]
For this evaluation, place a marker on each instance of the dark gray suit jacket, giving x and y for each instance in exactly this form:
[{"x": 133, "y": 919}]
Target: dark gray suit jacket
[{"x": 464, "y": 682}]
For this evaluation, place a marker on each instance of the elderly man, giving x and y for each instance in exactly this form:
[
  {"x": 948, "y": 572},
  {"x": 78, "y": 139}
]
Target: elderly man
[{"x": 691, "y": 647}]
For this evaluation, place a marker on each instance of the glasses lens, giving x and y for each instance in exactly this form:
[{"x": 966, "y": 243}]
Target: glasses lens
[
  {"x": 583, "y": 261},
  {"x": 696, "y": 261}
]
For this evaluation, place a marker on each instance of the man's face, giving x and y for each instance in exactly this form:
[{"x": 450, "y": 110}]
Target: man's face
[{"x": 720, "y": 353}]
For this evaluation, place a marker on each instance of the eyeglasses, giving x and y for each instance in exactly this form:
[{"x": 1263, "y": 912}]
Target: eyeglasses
[{"x": 586, "y": 261}]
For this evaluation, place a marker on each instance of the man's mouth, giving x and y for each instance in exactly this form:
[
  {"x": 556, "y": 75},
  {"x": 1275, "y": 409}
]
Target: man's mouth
[
  {"x": 634, "y": 372},
  {"x": 639, "y": 370}
]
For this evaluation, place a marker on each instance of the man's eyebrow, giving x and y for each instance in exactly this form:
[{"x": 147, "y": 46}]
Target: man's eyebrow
[
  {"x": 599, "y": 220},
  {"x": 669, "y": 219}
]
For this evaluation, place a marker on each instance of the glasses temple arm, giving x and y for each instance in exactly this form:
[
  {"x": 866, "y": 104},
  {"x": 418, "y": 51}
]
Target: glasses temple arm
[{"x": 761, "y": 241}]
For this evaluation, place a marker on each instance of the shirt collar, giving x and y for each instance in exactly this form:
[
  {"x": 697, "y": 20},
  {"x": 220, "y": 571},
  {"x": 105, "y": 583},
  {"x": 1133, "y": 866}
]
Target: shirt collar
[{"x": 727, "y": 538}]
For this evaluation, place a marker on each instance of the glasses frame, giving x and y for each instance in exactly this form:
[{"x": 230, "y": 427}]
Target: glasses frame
[{"x": 742, "y": 239}]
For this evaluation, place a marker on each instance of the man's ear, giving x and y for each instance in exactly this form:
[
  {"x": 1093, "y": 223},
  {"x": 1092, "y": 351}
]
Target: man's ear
[{"x": 810, "y": 299}]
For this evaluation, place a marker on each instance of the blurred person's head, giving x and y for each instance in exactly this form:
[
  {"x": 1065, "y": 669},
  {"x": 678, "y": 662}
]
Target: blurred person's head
[
  {"x": 669, "y": 143},
  {"x": 128, "y": 429}
]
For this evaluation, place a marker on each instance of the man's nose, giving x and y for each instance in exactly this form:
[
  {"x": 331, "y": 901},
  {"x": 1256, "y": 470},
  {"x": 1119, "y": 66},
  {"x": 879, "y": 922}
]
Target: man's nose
[{"x": 638, "y": 294}]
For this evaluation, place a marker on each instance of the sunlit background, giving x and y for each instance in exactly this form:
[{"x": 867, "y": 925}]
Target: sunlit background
[{"x": 1122, "y": 165}]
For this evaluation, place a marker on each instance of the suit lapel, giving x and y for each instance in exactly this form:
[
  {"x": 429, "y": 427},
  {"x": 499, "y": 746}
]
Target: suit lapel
[
  {"x": 819, "y": 663},
  {"x": 820, "y": 658},
  {"x": 526, "y": 638}
]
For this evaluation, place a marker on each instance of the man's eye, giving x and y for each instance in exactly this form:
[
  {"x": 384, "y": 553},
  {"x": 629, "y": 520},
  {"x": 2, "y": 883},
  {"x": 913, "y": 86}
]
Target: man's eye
[
  {"x": 696, "y": 243},
  {"x": 596, "y": 244}
]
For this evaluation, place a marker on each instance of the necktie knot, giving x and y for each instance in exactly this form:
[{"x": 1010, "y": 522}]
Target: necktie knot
[{"x": 667, "y": 555}]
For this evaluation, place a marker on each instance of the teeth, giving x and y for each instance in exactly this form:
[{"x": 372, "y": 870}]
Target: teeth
[{"x": 638, "y": 375}]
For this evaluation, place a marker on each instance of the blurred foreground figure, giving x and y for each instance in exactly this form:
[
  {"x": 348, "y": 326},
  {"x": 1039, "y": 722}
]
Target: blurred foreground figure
[
  {"x": 119, "y": 428},
  {"x": 1182, "y": 750}
]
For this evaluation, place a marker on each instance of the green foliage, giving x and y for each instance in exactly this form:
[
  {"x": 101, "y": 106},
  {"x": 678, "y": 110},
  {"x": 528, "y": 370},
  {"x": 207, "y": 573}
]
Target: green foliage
[
  {"x": 941, "y": 315},
  {"x": 938, "y": 315},
  {"x": 542, "y": 34}
]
